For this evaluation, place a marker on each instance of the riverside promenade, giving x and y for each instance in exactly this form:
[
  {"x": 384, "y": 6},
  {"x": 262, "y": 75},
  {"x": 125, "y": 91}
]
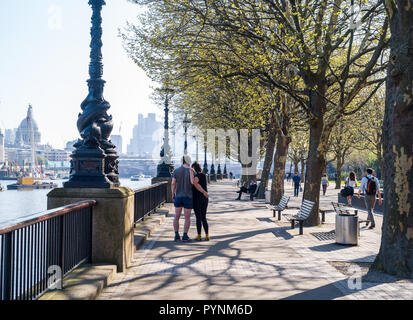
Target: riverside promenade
[{"x": 252, "y": 255}]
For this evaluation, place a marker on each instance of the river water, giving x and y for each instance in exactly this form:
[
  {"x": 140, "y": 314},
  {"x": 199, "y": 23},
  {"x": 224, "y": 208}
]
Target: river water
[{"x": 16, "y": 204}]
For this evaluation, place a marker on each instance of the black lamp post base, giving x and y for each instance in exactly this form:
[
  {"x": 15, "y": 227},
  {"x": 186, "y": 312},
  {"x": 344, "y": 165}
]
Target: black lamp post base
[
  {"x": 87, "y": 170},
  {"x": 111, "y": 166},
  {"x": 164, "y": 170},
  {"x": 88, "y": 182}
]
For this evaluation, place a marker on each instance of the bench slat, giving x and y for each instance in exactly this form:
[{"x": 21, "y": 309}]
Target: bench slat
[{"x": 306, "y": 208}]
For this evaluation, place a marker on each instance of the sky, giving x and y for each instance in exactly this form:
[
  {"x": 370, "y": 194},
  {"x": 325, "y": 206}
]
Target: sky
[{"x": 44, "y": 59}]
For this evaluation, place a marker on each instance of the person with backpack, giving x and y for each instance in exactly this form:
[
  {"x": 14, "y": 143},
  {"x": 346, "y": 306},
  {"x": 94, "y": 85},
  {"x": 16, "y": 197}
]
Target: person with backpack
[
  {"x": 350, "y": 184},
  {"x": 370, "y": 186}
]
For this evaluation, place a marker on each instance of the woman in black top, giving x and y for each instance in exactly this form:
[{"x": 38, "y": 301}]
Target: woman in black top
[{"x": 200, "y": 202}]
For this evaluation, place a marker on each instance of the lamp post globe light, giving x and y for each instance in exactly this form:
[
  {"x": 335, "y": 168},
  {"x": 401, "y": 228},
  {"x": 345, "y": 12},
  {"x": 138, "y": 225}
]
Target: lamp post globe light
[
  {"x": 165, "y": 166},
  {"x": 94, "y": 161}
]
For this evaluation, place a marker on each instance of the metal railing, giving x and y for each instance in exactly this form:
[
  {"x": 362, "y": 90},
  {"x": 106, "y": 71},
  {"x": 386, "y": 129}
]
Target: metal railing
[
  {"x": 34, "y": 247},
  {"x": 148, "y": 199}
]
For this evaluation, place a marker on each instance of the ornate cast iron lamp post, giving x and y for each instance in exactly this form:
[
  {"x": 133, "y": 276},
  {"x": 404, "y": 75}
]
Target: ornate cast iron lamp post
[
  {"x": 212, "y": 168},
  {"x": 186, "y": 122},
  {"x": 205, "y": 160},
  {"x": 94, "y": 162},
  {"x": 165, "y": 166},
  {"x": 219, "y": 172}
]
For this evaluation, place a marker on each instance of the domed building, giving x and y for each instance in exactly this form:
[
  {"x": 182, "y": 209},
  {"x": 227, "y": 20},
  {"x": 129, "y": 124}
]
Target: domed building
[{"x": 28, "y": 130}]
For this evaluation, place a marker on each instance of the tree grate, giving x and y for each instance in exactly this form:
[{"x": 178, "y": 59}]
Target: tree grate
[{"x": 325, "y": 236}]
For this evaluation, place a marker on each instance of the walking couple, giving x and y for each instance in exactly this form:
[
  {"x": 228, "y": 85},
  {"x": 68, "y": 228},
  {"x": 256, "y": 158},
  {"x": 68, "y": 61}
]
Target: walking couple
[{"x": 189, "y": 191}]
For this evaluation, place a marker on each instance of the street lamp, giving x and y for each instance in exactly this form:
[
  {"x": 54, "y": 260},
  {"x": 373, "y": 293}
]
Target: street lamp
[
  {"x": 94, "y": 161},
  {"x": 205, "y": 160},
  {"x": 165, "y": 166},
  {"x": 186, "y": 122}
]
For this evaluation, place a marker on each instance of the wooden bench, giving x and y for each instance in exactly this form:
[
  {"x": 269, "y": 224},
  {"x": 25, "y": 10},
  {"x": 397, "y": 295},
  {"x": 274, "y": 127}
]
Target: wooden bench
[
  {"x": 302, "y": 215},
  {"x": 279, "y": 207},
  {"x": 323, "y": 213}
]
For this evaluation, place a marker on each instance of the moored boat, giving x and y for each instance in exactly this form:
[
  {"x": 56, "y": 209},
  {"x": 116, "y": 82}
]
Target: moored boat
[
  {"x": 28, "y": 183},
  {"x": 135, "y": 178}
]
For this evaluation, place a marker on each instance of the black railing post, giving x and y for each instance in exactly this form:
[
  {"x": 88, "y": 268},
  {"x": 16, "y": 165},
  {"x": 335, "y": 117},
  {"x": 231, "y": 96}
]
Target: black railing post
[
  {"x": 8, "y": 272},
  {"x": 91, "y": 234},
  {"x": 144, "y": 205},
  {"x": 62, "y": 248}
]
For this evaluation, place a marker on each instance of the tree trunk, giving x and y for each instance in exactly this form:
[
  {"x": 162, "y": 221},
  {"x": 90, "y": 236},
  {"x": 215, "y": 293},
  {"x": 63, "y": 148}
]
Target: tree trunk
[
  {"x": 280, "y": 158},
  {"x": 339, "y": 172},
  {"x": 269, "y": 154},
  {"x": 302, "y": 170},
  {"x": 296, "y": 170},
  {"x": 316, "y": 161},
  {"x": 380, "y": 160},
  {"x": 396, "y": 251},
  {"x": 246, "y": 176}
]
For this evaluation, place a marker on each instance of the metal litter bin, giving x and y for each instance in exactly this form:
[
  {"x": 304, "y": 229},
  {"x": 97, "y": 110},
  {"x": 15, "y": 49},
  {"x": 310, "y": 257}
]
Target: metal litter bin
[{"x": 347, "y": 229}]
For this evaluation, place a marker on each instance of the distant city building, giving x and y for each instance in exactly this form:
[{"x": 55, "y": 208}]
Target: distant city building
[
  {"x": 144, "y": 140},
  {"x": 27, "y": 131},
  {"x": 117, "y": 141},
  {"x": 9, "y": 136},
  {"x": 16, "y": 145},
  {"x": 2, "y": 150},
  {"x": 56, "y": 155},
  {"x": 18, "y": 156}
]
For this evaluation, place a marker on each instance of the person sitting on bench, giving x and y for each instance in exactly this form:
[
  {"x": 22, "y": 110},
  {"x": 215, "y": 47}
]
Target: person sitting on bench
[{"x": 251, "y": 189}]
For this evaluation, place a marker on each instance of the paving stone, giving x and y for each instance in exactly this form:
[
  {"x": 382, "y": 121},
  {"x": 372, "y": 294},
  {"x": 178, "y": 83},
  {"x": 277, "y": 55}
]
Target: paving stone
[{"x": 251, "y": 255}]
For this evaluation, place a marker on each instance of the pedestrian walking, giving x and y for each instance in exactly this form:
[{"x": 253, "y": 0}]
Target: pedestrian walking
[
  {"x": 200, "y": 201},
  {"x": 324, "y": 183},
  {"x": 296, "y": 184},
  {"x": 182, "y": 182},
  {"x": 350, "y": 184},
  {"x": 370, "y": 186}
]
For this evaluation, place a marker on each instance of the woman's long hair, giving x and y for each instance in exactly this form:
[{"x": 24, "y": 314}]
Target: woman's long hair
[
  {"x": 196, "y": 167},
  {"x": 352, "y": 176}
]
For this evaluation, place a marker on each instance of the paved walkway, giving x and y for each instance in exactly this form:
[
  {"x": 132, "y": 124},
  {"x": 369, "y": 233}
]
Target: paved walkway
[{"x": 253, "y": 256}]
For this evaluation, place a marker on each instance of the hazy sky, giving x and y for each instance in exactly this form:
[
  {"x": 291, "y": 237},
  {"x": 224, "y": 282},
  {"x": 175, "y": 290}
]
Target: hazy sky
[{"x": 44, "y": 57}]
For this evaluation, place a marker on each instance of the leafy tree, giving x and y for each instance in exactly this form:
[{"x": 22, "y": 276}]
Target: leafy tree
[
  {"x": 396, "y": 250},
  {"x": 345, "y": 138},
  {"x": 329, "y": 59}
]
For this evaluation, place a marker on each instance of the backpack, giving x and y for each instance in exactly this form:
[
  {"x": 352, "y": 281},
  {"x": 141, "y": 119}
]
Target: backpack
[
  {"x": 346, "y": 191},
  {"x": 371, "y": 187}
]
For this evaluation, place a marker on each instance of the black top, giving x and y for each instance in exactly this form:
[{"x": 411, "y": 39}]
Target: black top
[{"x": 203, "y": 183}]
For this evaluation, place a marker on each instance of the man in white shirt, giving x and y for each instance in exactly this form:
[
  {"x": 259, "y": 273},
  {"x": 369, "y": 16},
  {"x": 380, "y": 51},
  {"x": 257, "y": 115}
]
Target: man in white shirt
[{"x": 370, "y": 186}]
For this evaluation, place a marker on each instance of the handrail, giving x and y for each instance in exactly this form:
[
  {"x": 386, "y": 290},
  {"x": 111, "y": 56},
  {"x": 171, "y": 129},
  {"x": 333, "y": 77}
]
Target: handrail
[
  {"x": 26, "y": 221},
  {"x": 148, "y": 199},
  {"x": 150, "y": 187}
]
